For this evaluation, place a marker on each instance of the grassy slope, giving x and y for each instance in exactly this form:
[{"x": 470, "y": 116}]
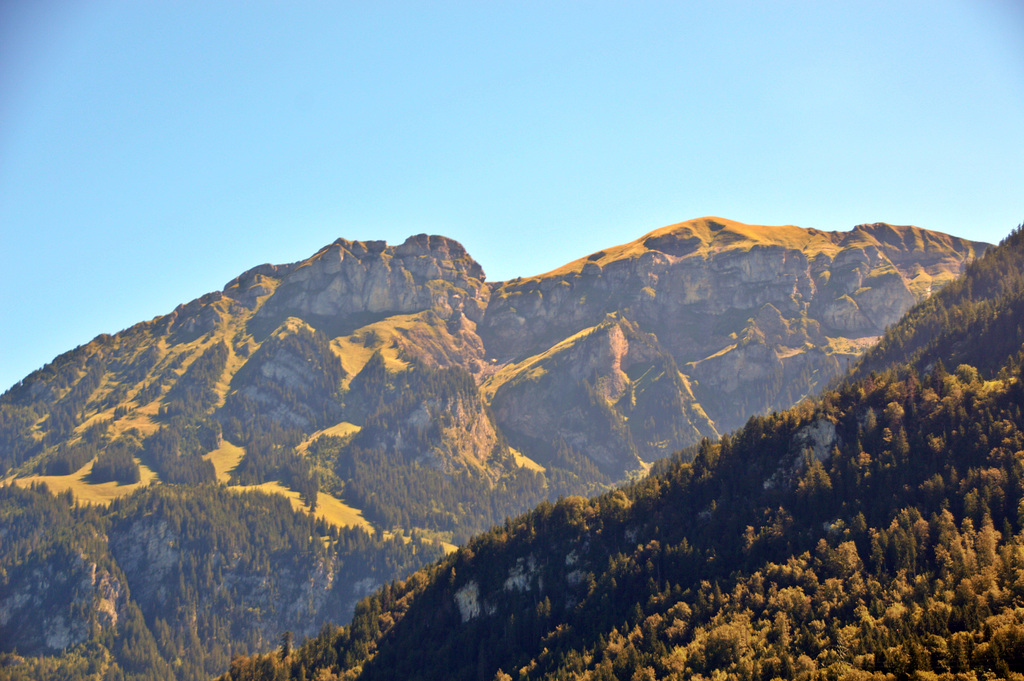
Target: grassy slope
[
  {"x": 343, "y": 429},
  {"x": 225, "y": 459},
  {"x": 524, "y": 461},
  {"x": 334, "y": 511},
  {"x": 531, "y": 367},
  {"x": 730, "y": 236},
  {"x": 89, "y": 492}
]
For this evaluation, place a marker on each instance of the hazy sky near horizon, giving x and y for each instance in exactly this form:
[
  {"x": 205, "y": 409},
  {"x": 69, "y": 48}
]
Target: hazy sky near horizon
[{"x": 151, "y": 151}]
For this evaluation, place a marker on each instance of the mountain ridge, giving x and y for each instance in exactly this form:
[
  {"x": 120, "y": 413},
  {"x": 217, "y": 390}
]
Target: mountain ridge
[
  {"x": 394, "y": 390},
  {"x": 834, "y": 290},
  {"x": 359, "y": 293},
  {"x": 874, "y": 532}
]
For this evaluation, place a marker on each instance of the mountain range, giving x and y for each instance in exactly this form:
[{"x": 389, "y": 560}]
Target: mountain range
[
  {"x": 393, "y": 402},
  {"x": 875, "y": 531}
]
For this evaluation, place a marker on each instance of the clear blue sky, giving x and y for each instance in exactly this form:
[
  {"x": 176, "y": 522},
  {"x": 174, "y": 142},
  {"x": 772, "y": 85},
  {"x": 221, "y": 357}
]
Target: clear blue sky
[{"x": 151, "y": 151}]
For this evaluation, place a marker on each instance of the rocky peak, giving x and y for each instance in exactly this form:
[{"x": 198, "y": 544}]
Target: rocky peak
[
  {"x": 432, "y": 245},
  {"x": 351, "y": 283},
  {"x": 247, "y": 287}
]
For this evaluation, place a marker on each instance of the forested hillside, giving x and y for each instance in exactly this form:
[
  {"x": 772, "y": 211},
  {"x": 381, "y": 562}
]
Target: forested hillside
[
  {"x": 876, "y": 531},
  {"x": 172, "y": 582}
]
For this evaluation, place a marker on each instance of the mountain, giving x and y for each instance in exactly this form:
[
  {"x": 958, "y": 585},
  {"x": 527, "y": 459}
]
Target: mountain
[
  {"x": 873, "y": 532},
  {"x": 755, "y": 317},
  {"x": 393, "y": 392}
]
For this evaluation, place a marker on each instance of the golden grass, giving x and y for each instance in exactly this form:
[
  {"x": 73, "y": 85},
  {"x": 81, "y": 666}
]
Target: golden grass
[
  {"x": 429, "y": 536},
  {"x": 353, "y": 355},
  {"x": 524, "y": 461},
  {"x": 331, "y": 509},
  {"x": 921, "y": 285},
  {"x": 343, "y": 429},
  {"x": 225, "y": 459},
  {"x": 291, "y": 326},
  {"x": 784, "y": 352},
  {"x": 724, "y": 351},
  {"x": 86, "y": 492},
  {"x": 355, "y": 350},
  {"x": 234, "y": 363},
  {"x": 940, "y": 279},
  {"x": 142, "y": 419},
  {"x": 92, "y": 420},
  {"x": 850, "y": 346},
  {"x": 716, "y": 235}
]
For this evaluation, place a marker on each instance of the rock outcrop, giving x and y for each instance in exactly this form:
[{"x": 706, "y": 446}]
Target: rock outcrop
[
  {"x": 286, "y": 593},
  {"x": 53, "y": 603},
  {"x": 352, "y": 283},
  {"x": 436, "y": 420},
  {"x": 610, "y": 392},
  {"x": 294, "y": 379}
]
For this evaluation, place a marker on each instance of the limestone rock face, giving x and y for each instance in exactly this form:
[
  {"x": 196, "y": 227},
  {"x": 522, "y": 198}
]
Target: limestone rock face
[
  {"x": 349, "y": 283},
  {"x": 816, "y": 439},
  {"x": 610, "y": 392},
  {"x": 750, "y": 314},
  {"x": 285, "y": 595},
  {"x": 437, "y": 420},
  {"x": 432, "y": 341},
  {"x": 294, "y": 379},
  {"x": 47, "y": 606},
  {"x": 153, "y": 549},
  {"x": 195, "y": 318},
  {"x": 248, "y": 287}
]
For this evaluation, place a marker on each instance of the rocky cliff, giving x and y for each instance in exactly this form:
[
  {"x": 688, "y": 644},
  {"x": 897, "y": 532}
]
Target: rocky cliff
[
  {"x": 172, "y": 582},
  {"x": 756, "y": 317},
  {"x": 52, "y": 603},
  {"x": 610, "y": 391},
  {"x": 350, "y": 284}
]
